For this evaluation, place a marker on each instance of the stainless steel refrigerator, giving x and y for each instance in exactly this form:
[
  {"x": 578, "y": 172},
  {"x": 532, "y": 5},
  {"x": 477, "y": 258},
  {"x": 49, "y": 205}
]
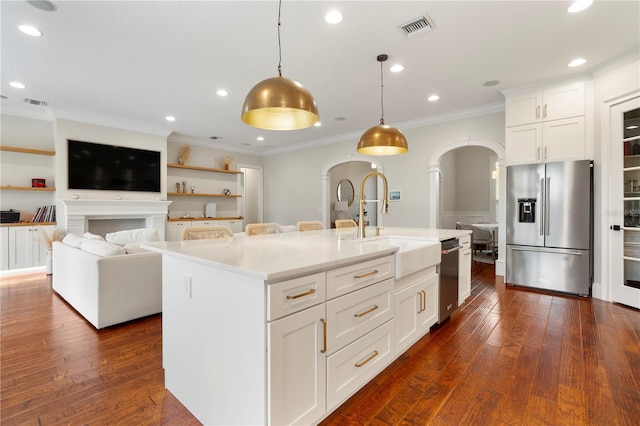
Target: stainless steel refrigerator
[{"x": 549, "y": 226}]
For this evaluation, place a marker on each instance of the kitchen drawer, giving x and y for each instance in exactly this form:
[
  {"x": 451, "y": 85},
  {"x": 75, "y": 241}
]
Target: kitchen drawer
[
  {"x": 352, "y": 367},
  {"x": 353, "y": 277},
  {"x": 291, "y": 296},
  {"x": 465, "y": 241},
  {"x": 351, "y": 316}
]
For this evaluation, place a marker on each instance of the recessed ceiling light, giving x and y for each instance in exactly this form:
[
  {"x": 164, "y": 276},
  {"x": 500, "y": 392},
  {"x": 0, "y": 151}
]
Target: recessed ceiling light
[
  {"x": 333, "y": 17},
  {"x": 215, "y": 138},
  {"x": 222, "y": 92},
  {"x": 260, "y": 138},
  {"x": 32, "y": 31},
  {"x": 340, "y": 118},
  {"x": 433, "y": 98},
  {"x": 170, "y": 118},
  {"x": 577, "y": 62},
  {"x": 579, "y": 5},
  {"x": 396, "y": 68},
  {"x": 491, "y": 83},
  {"x": 318, "y": 124},
  {"x": 17, "y": 85},
  {"x": 45, "y": 5}
]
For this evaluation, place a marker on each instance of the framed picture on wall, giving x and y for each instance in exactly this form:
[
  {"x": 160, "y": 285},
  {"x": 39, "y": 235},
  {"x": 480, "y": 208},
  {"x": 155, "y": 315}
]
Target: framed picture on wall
[{"x": 395, "y": 196}]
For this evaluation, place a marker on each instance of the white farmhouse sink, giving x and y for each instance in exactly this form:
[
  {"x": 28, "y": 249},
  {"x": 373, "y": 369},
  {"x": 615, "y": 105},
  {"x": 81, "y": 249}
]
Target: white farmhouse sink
[{"x": 413, "y": 255}]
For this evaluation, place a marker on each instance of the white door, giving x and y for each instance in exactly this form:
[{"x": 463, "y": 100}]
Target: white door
[{"x": 625, "y": 202}]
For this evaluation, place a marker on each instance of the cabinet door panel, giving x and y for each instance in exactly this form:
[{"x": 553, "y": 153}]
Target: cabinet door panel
[
  {"x": 564, "y": 139},
  {"x": 407, "y": 304},
  {"x": 20, "y": 247},
  {"x": 564, "y": 102},
  {"x": 4, "y": 248},
  {"x": 523, "y": 109},
  {"x": 464, "y": 275},
  {"x": 297, "y": 368},
  {"x": 523, "y": 144}
]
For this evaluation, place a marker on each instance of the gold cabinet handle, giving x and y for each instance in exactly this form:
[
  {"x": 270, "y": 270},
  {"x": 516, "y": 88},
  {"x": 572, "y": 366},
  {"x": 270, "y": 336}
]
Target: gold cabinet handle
[
  {"x": 538, "y": 111},
  {"x": 324, "y": 339},
  {"x": 544, "y": 111},
  {"x": 367, "y": 359},
  {"x": 368, "y": 311},
  {"x": 306, "y": 293},
  {"x": 366, "y": 274}
]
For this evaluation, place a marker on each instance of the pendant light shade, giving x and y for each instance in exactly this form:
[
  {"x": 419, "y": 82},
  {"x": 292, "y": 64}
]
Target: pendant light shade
[
  {"x": 279, "y": 103},
  {"x": 382, "y": 139}
]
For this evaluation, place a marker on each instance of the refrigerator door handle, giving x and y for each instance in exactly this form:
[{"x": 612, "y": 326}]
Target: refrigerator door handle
[
  {"x": 542, "y": 198},
  {"x": 574, "y": 253},
  {"x": 547, "y": 199}
]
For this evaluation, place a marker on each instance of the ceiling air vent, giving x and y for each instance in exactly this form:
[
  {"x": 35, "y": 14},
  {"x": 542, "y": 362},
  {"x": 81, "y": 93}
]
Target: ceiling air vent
[
  {"x": 417, "y": 26},
  {"x": 34, "y": 102}
]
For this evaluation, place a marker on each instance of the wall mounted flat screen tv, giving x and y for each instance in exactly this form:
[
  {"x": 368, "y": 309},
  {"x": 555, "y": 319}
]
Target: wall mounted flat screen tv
[{"x": 114, "y": 168}]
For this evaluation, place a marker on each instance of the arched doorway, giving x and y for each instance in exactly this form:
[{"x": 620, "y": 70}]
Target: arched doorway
[
  {"x": 327, "y": 193},
  {"x": 435, "y": 184}
]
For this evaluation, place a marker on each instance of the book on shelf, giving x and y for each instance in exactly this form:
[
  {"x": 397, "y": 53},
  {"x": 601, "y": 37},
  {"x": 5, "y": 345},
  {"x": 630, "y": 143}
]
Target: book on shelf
[{"x": 44, "y": 214}]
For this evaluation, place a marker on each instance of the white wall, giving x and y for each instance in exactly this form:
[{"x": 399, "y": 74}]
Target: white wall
[{"x": 293, "y": 187}]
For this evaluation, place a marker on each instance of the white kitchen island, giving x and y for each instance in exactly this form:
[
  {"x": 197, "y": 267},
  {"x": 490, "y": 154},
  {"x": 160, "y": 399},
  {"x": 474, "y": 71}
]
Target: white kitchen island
[{"x": 281, "y": 329}]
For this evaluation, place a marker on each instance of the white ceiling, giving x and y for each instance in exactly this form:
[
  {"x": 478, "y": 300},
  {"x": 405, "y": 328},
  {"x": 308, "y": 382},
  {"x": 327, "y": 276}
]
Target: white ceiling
[{"x": 131, "y": 63}]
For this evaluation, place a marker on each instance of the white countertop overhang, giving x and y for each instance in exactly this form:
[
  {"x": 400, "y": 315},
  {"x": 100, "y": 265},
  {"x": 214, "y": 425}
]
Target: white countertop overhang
[{"x": 276, "y": 257}]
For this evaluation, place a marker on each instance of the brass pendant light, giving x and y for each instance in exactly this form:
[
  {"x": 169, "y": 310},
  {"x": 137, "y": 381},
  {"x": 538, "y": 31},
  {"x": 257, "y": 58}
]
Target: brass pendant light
[
  {"x": 382, "y": 139},
  {"x": 279, "y": 103}
]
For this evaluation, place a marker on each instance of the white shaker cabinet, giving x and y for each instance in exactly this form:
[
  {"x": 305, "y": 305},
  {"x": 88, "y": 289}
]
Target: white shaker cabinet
[
  {"x": 546, "y": 105},
  {"x": 464, "y": 270},
  {"x": 416, "y": 307},
  {"x": 26, "y": 248},
  {"x": 297, "y": 368},
  {"x": 236, "y": 225},
  {"x": 548, "y": 125},
  {"x": 173, "y": 230}
]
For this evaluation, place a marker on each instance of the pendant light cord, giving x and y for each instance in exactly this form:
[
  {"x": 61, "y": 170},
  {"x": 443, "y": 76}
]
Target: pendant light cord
[
  {"x": 381, "y": 96},
  {"x": 279, "y": 43}
]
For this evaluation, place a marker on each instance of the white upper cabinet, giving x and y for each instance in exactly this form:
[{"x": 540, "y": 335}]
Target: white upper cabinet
[
  {"x": 551, "y": 104},
  {"x": 547, "y": 125}
]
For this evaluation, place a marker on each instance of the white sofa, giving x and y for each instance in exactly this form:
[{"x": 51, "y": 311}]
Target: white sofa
[{"x": 108, "y": 290}]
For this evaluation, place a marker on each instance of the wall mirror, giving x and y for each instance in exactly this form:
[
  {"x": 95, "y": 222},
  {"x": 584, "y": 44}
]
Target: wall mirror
[{"x": 345, "y": 191}]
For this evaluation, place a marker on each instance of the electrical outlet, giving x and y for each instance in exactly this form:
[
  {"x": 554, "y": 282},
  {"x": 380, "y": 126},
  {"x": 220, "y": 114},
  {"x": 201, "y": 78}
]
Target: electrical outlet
[{"x": 187, "y": 285}]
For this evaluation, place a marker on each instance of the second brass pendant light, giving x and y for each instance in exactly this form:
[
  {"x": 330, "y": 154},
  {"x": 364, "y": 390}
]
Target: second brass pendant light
[
  {"x": 382, "y": 139},
  {"x": 279, "y": 103}
]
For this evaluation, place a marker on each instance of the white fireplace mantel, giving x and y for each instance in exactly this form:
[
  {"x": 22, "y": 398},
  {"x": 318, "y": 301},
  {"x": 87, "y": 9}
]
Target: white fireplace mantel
[{"x": 77, "y": 213}]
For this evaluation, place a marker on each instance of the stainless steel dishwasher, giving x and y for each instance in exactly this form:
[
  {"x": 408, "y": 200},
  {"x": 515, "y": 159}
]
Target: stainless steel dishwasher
[{"x": 448, "y": 278}]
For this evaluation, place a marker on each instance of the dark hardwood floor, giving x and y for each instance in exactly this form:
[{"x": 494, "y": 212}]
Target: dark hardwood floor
[{"x": 508, "y": 357}]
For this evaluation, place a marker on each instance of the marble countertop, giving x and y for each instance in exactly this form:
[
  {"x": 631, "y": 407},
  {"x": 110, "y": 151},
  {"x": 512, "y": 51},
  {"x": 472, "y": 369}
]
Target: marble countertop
[{"x": 276, "y": 257}]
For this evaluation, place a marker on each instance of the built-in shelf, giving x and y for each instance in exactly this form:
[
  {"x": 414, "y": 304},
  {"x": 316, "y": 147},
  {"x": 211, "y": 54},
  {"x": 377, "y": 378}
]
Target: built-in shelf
[
  {"x": 24, "y": 188},
  {"x": 204, "y": 169},
  {"x": 27, "y": 224},
  {"x": 201, "y": 219},
  {"x": 26, "y": 150},
  {"x": 203, "y": 195}
]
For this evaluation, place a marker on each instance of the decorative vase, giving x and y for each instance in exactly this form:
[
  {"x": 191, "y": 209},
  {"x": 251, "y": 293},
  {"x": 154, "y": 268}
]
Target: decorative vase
[{"x": 49, "y": 262}]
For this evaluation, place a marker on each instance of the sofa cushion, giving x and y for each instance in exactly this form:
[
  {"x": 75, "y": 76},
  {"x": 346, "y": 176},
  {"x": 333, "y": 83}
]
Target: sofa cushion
[
  {"x": 142, "y": 235},
  {"x": 102, "y": 248},
  {"x": 133, "y": 248},
  {"x": 93, "y": 236},
  {"x": 73, "y": 240}
]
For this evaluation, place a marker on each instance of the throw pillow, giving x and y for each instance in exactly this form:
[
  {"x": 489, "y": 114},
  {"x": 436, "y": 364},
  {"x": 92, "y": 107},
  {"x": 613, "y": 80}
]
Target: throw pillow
[
  {"x": 102, "y": 248},
  {"x": 133, "y": 248},
  {"x": 93, "y": 236},
  {"x": 73, "y": 240}
]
